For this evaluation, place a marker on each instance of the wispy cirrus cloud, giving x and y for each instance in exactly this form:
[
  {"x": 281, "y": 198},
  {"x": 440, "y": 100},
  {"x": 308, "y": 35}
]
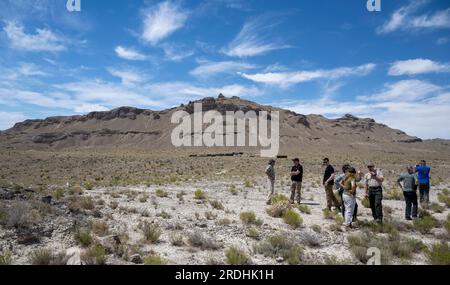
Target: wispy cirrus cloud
[
  {"x": 417, "y": 66},
  {"x": 209, "y": 69},
  {"x": 129, "y": 54},
  {"x": 424, "y": 105},
  {"x": 128, "y": 76},
  {"x": 404, "y": 90},
  {"x": 439, "y": 19},
  {"x": 254, "y": 38},
  {"x": 23, "y": 69},
  {"x": 43, "y": 40},
  {"x": 161, "y": 20},
  {"x": 404, "y": 18},
  {"x": 286, "y": 79},
  {"x": 176, "y": 52}
]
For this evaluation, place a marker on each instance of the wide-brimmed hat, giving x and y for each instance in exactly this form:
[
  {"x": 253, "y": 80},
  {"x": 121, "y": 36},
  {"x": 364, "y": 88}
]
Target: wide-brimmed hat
[{"x": 296, "y": 159}]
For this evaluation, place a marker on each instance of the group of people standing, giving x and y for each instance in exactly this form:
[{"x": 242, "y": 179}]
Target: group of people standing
[{"x": 347, "y": 184}]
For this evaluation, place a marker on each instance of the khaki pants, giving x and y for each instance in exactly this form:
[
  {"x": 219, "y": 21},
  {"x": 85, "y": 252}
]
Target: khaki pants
[
  {"x": 331, "y": 200},
  {"x": 296, "y": 191},
  {"x": 271, "y": 184}
]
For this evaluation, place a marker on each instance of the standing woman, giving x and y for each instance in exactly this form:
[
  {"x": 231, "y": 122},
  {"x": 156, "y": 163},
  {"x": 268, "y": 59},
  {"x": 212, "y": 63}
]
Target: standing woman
[{"x": 349, "y": 195}]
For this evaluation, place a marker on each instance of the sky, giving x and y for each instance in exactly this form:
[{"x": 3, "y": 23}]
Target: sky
[{"x": 312, "y": 57}]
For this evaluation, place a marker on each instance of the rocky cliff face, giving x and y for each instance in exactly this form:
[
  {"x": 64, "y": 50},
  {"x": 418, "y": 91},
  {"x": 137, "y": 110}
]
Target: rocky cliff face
[{"x": 133, "y": 127}]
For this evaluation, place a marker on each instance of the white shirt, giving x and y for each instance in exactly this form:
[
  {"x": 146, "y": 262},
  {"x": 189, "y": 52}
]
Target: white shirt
[{"x": 371, "y": 182}]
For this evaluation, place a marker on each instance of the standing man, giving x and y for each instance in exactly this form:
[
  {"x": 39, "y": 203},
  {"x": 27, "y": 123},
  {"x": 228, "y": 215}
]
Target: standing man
[
  {"x": 409, "y": 180},
  {"x": 328, "y": 181},
  {"x": 423, "y": 174},
  {"x": 297, "y": 178},
  {"x": 270, "y": 172},
  {"x": 374, "y": 191}
]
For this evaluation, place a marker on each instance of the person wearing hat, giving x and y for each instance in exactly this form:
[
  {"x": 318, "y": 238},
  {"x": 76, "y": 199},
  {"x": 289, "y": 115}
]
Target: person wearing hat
[
  {"x": 296, "y": 178},
  {"x": 349, "y": 195},
  {"x": 374, "y": 191},
  {"x": 270, "y": 172}
]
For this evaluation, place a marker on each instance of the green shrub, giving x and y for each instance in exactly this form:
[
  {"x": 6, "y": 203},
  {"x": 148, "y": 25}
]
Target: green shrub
[
  {"x": 439, "y": 254},
  {"x": 216, "y": 205},
  {"x": 176, "y": 239},
  {"x": 41, "y": 257},
  {"x": 394, "y": 194},
  {"x": 435, "y": 207},
  {"x": 154, "y": 259},
  {"x": 59, "y": 193},
  {"x": 447, "y": 224},
  {"x": 425, "y": 224},
  {"x": 316, "y": 228},
  {"x": 199, "y": 194},
  {"x": 152, "y": 232},
  {"x": 83, "y": 237},
  {"x": 248, "y": 218},
  {"x": 235, "y": 256},
  {"x": 444, "y": 199},
  {"x": 328, "y": 214},
  {"x": 281, "y": 246},
  {"x": 416, "y": 245},
  {"x": 248, "y": 183},
  {"x": 87, "y": 203},
  {"x": 253, "y": 233},
  {"x": 278, "y": 198},
  {"x": 278, "y": 209},
  {"x": 88, "y": 185},
  {"x": 95, "y": 255},
  {"x": 197, "y": 239},
  {"x": 5, "y": 259},
  {"x": 292, "y": 218},
  {"x": 233, "y": 190},
  {"x": 304, "y": 209},
  {"x": 161, "y": 193}
]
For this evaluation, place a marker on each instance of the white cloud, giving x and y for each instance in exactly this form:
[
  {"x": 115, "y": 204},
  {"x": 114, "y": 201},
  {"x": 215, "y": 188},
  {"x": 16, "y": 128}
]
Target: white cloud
[
  {"x": 43, "y": 40},
  {"x": 30, "y": 69},
  {"x": 88, "y": 108},
  {"x": 208, "y": 69},
  {"x": 417, "y": 66},
  {"x": 128, "y": 76},
  {"x": 440, "y": 19},
  {"x": 404, "y": 90},
  {"x": 106, "y": 94},
  {"x": 181, "y": 92},
  {"x": 416, "y": 107},
  {"x": 175, "y": 52},
  {"x": 403, "y": 19},
  {"x": 162, "y": 20},
  {"x": 129, "y": 53},
  {"x": 286, "y": 79},
  {"x": 24, "y": 69},
  {"x": 10, "y": 118},
  {"x": 253, "y": 39}
]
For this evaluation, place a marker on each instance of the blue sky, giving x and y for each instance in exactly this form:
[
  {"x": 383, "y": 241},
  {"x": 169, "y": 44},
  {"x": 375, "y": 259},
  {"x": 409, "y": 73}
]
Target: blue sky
[{"x": 313, "y": 57}]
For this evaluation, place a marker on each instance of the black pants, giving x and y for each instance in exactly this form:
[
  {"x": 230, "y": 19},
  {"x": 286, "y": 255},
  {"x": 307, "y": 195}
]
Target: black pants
[
  {"x": 375, "y": 199},
  {"x": 411, "y": 204},
  {"x": 355, "y": 213},
  {"x": 424, "y": 190}
]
